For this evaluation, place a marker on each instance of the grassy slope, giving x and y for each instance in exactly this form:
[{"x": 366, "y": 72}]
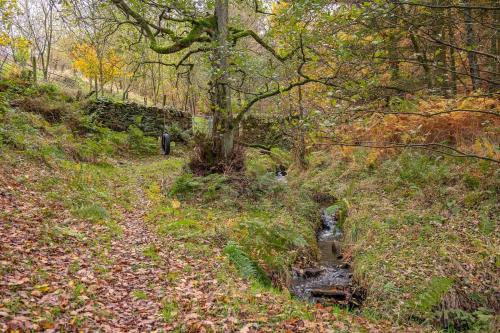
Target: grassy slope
[
  {"x": 422, "y": 231},
  {"x": 70, "y": 192}
]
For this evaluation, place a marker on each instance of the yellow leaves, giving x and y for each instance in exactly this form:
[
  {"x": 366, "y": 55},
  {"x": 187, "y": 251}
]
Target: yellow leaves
[
  {"x": 345, "y": 37},
  {"x": 44, "y": 288},
  {"x": 372, "y": 157},
  {"x": 47, "y": 325},
  {"x": 92, "y": 65},
  {"x": 7, "y": 10},
  {"x": 154, "y": 192},
  {"x": 484, "y": 147},
  {"x": 280, "y": 6},
  {"x": 231, "y": 223},
  {"x": 4, "y": 38},
  {"x": 176, "y": 204},
  {"x": 40, "y": 289},
  {"x": 347, "y": 152}
]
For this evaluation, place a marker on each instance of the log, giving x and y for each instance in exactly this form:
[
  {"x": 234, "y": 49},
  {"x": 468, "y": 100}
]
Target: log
[{"x": 330, "y": 293}]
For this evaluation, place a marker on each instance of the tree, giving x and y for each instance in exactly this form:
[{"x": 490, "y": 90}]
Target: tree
[
  {"x": 91, "y": 26},
  {"x": 7, "y": 12},
  {"x": 108, "y": 68},
  {"x": 37, "y": 24},
  {"x": 209, "y": 33}
]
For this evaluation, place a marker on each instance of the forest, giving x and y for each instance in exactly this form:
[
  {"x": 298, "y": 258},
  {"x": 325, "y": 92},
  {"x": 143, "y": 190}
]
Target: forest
[{"x": 249, "y": 166}]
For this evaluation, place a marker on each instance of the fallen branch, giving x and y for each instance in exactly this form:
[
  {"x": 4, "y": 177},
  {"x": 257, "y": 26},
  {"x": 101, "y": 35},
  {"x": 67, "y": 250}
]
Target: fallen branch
[
  {"x": 428, "y": 115},
  {"x": 426, "y": 146},
  {"x": 255, "y": 145}
]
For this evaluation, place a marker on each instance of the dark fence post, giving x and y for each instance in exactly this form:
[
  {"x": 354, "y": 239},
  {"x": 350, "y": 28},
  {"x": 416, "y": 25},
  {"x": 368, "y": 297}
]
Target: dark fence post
[{"x": 33, "y": 64}]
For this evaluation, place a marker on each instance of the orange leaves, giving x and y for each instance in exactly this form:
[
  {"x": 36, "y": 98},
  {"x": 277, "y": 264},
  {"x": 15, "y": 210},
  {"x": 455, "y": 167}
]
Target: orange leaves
[
  {"x": 85, "y": 60},
  {"x": 470, "y": 131}
]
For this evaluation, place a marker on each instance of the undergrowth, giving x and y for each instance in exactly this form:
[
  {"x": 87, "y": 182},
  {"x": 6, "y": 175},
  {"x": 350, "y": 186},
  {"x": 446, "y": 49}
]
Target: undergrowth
[
  {"x": 422, "y": 232},
  {"x": 46, "y": 125}
]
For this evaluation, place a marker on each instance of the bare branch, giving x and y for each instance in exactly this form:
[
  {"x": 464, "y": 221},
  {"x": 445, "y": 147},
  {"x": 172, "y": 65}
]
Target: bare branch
[
  {"x": 427, "y": 146},
  {"x": 420, "y": 4},
  {"x": 271, "y": 93},
  {"x": 428, "y": 115}
]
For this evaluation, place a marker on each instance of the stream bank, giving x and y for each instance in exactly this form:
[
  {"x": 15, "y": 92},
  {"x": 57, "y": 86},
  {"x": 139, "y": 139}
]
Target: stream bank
[{"x": 330, "y": 282}]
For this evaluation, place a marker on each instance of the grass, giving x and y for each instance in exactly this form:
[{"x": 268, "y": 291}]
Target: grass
[
  {"x": 151, "y": 252},
  {"x": 272, "y": 230},
  {"x": 140, "y": 294},
  {"x": 420, "y": 229},
  {"x": 169, "y": 311}
]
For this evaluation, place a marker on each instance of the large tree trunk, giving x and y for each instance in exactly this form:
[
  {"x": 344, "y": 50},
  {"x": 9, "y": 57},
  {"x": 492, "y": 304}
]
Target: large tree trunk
[{"x": 223, "y": 117}]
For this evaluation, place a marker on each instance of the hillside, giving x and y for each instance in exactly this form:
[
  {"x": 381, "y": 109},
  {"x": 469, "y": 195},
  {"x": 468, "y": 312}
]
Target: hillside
[
  {"x": 249, "y": 166},
  {"x": 100, "y": 232}
]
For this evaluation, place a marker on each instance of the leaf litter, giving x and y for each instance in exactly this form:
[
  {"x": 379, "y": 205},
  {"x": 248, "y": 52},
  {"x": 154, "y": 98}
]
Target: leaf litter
[{"x": 56, "y": 274}]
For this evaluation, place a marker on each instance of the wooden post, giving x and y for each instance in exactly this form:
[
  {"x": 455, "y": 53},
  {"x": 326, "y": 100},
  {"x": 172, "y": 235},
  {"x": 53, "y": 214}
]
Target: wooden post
[
  {"x": 33, "y": 64},
  {"x": 164, "y": 100}
]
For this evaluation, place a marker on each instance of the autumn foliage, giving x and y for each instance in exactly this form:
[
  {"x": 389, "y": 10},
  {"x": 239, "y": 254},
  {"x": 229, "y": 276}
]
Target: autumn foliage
[
  {"x": 87, "y": 60},
  {"x": 443, "y": 121}
]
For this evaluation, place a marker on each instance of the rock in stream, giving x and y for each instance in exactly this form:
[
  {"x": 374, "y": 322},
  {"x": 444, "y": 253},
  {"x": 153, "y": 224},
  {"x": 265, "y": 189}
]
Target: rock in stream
[{"x": 331, "y": 281}]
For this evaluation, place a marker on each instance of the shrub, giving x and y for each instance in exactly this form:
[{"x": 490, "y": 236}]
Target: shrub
[
  {"x": 274, "y": 241},
  {"x": 431, "y": 296},
  {"x": 177, "y": 134},
  {"x": 92, "y": 212},
  {"x": 185, "y": 184},
  {"x": 481, "y": 320},
  {"x": 208, "y": 187},
  {"x": 420, "y": 170},
  {"x": 139, "y": 143},
  {"x": 257, "y": 164},
  {"x": 49, "y": 110},
  {"x": 266, "y": 184}
]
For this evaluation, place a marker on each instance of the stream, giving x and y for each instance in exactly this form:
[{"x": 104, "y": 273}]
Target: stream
[{"x": 330, "y": 281}]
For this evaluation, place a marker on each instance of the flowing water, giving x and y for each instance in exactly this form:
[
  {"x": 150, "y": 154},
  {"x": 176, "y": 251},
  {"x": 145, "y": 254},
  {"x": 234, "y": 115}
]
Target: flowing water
[{"x": 330, "y": 281}]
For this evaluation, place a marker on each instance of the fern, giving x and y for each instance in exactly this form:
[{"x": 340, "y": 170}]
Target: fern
[
  {"x": 184, "y": 185},
  {"x": 246, "y": 266},
  {"x": 481, "y": 320},
  {"x": 432, "y": 295}
]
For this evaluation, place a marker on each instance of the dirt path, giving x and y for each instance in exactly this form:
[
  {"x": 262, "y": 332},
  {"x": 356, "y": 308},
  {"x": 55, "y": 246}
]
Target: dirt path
[
  {"x": 56, "y": 276},
  {"x": 62, "y": 273}
]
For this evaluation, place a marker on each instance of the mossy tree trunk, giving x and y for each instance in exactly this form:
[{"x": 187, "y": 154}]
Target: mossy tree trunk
[{"x": 222, "y": 136}]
